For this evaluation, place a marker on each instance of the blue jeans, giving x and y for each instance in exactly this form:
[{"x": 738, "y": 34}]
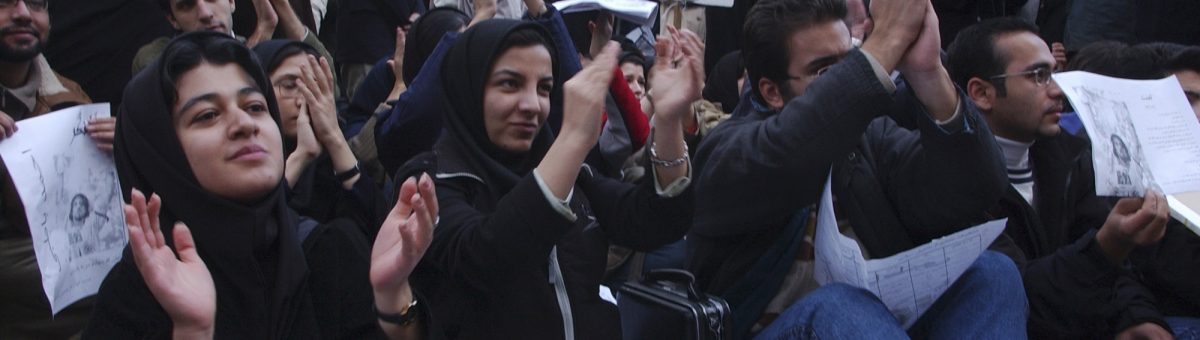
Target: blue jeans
[
  {"x": 987, "y": 302},
  {"x": 1185, "y": 328}
]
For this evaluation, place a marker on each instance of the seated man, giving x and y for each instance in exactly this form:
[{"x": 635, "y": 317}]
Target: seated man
[
  {"x": 199, "y": 15},
  {"x": 29, "y": 88},
  {"x": 908, "y": 165},
  {"x": 1070, "y": 245}
]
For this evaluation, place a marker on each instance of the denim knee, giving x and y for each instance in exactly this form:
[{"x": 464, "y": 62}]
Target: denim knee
[{"x": 995, "y": 275}]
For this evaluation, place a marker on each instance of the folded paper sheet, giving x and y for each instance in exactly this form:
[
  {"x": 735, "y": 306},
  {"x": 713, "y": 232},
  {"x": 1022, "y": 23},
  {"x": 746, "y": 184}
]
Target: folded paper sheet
[{"x": 909, "y": 282}]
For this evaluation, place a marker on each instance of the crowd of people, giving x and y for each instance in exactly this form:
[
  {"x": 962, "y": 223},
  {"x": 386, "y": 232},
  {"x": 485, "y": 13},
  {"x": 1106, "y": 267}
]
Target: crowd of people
[{"x": 483, "y": 169}]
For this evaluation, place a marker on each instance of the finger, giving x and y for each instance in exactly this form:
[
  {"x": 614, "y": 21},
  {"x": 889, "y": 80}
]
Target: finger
[
  {"x": 105, "y": 147},
  {"x": 694, "y": 38},
  {"x": 102, "y": 136},
  {"x": 138, "y": 200},
  {"x": 328, "y": 70},
  {"x": 605, "y": 62},
  {"x": 1128, "y": 205},
  {"x": 153, "y": 207},
  {"x": 429, "y": 191},
  {"x": 308, "y": 75},
  {"x": 401, "y": 39},
  {"x": 662, "y": 49},
  {"x": 137, "y": 239},
  {"x": 310, "y": 97},
  {"x": 185, "y": 245},
  {"x": 418, "y": 234},
  {"x": 403, "y": 206}
]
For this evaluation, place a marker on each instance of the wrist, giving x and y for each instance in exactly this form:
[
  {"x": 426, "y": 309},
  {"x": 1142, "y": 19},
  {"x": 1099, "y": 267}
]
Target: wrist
[
  {"x": 1114, "y": 247},
  {"x": 886, "y": 50},
  {"x": 184, "y": 330},
  {"x": 394, "y": 300}
]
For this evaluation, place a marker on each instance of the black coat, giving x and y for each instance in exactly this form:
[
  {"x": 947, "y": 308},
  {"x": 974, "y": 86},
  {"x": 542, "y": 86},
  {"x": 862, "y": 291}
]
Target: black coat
[
  {"x": 900, "y": 179},
  {"x": 487, "y": 271},
  {"x": 1074, "y": 290}
]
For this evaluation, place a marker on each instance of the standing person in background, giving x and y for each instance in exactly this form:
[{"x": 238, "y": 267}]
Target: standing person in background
[{"x": 366, "y": 32}]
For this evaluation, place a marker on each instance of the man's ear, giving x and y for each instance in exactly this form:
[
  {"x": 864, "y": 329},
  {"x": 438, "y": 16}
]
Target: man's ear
[
  {"x": 982, "y": 92},
  {"x": 771, "y": 93},
  {"x": 171, "y": 19}
]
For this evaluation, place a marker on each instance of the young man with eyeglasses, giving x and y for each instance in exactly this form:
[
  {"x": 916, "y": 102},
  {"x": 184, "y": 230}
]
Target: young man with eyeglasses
[
  {"x": 1071, "y": 247},
  {"x": 910, "y": 162}
]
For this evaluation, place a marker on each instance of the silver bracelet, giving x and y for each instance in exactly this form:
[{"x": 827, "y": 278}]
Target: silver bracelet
[{"x": 665, "y": 163}]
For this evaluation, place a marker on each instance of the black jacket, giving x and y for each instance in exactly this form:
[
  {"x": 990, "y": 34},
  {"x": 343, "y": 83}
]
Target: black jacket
[
  {"x": 487, "y": 271},
  {"x": 900, "y": 178},
  {"x": 1073, "y": 289}
]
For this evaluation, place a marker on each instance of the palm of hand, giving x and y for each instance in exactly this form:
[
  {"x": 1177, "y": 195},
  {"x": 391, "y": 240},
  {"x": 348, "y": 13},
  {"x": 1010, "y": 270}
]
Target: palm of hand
[
  {"x": 182, "y": 286},
  {"x": 677, "y": 77},
  {"x": 404, "y": 236}
]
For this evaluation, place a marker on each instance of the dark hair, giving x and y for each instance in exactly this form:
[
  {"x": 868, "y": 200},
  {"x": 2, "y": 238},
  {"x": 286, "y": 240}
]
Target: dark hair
[
  {"x": 1116, "y": 59},
  {"x": 165, "y": 5},
  {"x": 768, "y": 26},
  {"x": 973, "y": 53},
  {"x": 188, "y": 51},
  {"x": 287, "y": 52},
  {"x": 631, "y": 54},
  {"x": 1180, "y": 58},
  {"x": 426, "y": 32}
]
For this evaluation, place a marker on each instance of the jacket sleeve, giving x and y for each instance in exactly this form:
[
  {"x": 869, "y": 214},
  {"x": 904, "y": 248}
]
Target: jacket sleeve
[
  {"x": 938, "y": 178},
  {"x": 476, "y": 247},
  {"x": 754, "y": 169},
  {"x": 636, "y": 215},
  {"x": 415, "y": 121},
  {"x": 1076, "y": 293}
]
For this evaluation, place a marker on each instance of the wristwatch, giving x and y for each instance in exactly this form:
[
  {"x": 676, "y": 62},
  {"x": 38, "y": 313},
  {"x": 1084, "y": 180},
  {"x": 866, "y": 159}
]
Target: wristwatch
[
  {"x": 348, "y": 174},
  {"x": 404, "y": 318}
]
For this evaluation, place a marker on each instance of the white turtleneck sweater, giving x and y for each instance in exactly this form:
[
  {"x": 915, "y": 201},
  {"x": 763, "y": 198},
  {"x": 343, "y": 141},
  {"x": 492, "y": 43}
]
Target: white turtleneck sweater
[{"x": 1020, "y": 171}]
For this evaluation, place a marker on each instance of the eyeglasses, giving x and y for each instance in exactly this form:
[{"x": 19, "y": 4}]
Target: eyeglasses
[
  {"x": 819, "y": 72},
  {"x": 33, "y": 5},
  {"x": 1041, "y": 76}
]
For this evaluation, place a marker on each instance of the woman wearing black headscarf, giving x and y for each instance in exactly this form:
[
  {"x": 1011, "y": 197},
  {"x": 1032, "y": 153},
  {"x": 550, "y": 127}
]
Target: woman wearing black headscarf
[
  {"x": 200, "y": 129},
  {"x": 522, "y": 243},
  {"x": 320, "y": 166}
]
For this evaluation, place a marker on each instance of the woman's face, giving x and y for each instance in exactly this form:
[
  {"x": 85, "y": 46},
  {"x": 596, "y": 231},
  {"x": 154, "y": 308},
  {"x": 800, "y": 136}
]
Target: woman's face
[
  {"x": 230, "y": 139},
  {"x": 286, "y": 81},
  {"x": 516, "y": 97},
  {"x": 635, "y": 76}
]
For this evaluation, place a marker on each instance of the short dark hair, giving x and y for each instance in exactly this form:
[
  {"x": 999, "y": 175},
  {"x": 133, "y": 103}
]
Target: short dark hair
[
  {"x": 973, "y": 52},
  {"x": 165, "y": 5},
  {"x": 1187, "y": 59},
  {"x": 631, "y": 54},
  {"x": 768, "y": 26},
  {"x": 1116, "y": 59}
]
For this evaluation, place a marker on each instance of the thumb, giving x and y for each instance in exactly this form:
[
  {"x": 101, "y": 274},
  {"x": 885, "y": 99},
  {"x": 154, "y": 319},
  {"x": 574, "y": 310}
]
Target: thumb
[
  {"x": 185, "y": 245},
  {"x": 1128, "y": 205}
]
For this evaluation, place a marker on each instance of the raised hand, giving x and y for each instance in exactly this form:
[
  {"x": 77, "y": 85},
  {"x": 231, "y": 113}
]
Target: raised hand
[
  {"x": 1145, "y": 331},
  {"x": 924, "y": 55},
  {"x": 401, "y": 243},
  {"x": 316, "y": 87},
  {"x": 677, "y": 77},
  {"x": 265, "y": 23},
  {"x": 182, "y": 286},
  {"x": 102, "y": 131},
  {"x": 897, "y": 24},
  {"x": 583, "y": 97},
  {"x": 484, "y": 9},
  {"x": 1133, "y": 222},
  {"x": 397, "y": 64},
  {"x": 1060, "y": 56}
]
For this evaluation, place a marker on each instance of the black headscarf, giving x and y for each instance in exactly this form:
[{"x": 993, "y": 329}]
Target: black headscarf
[
  {"x": 425, "y": 34},
  {"x": 251, "y": 250},
  {"x": 722, "y": 83},
  {"x": 465, "y": 147}
]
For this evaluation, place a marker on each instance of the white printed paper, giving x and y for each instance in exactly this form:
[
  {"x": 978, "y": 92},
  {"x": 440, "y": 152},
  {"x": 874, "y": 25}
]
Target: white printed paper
[
  {"x": 72, "y": 200},
  {"x": 1144, "y": 133},
  {"x": 640, "y": 12},
  {"x": 712, "y": 3},
  {"x": 908, "y": 283}
]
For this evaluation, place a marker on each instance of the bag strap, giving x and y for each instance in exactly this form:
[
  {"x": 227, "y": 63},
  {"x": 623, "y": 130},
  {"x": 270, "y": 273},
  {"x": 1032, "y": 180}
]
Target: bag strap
[{"x": 751, "y": 294}]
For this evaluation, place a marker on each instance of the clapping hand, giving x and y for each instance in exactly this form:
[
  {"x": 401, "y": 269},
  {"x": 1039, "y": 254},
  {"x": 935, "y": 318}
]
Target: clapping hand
[
  {"x": 182, "y": 286},
  {"x": 401, "y": 243}
]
